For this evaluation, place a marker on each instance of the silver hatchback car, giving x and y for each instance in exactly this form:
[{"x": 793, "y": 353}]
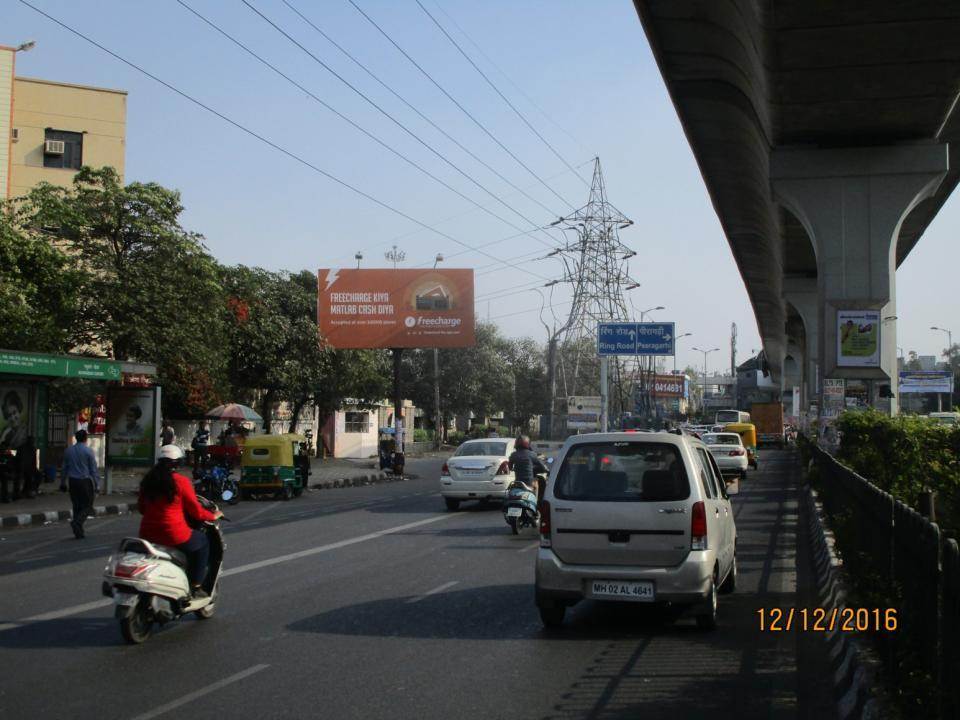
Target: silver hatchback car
[{"x": 642, "y": 517}]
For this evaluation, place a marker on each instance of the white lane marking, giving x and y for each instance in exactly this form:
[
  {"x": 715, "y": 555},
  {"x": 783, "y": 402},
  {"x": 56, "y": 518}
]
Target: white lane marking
[
  {"x": 260, "y": 511},
  {"x": 34, "y": 546},
  {"x": 531, "y": 546},
  {"x": 33, "y": 559},
  {"x": 331, "y": 546},
  {"x": 436, "y": 590},
  {"x": 190, "y": 697},
  {"x": 77, "y": 609}
]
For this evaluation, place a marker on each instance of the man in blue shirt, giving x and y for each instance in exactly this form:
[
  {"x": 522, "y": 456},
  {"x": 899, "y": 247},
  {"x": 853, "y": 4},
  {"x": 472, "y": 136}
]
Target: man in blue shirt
[{"x": 80, "y": 470}]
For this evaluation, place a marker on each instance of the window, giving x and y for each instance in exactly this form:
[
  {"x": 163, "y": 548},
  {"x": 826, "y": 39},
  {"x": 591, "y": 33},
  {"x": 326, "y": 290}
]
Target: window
[
  {"x": 623, "y": 472},
  {"x": 706, "y": 475},
  {"x": 72, "y": 156},
  {"x": 481, "y": 449},
  {"x": 357, "y": 422}
]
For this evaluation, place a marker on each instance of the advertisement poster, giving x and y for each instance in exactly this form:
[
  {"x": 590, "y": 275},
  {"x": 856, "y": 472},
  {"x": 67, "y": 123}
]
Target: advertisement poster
[
  {"x": 14, "y": 416},
  {"x": 131, "y": 426},
  {"x": 396, "y": 308},
  {"x": 858, "y": 338},
  {"x": 833, "y": 397},
  {"x": 926, "y": 381},
  {"x": 671, "y": 386}
]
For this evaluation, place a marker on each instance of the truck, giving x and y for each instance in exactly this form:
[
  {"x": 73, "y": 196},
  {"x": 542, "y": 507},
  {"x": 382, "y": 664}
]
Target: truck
[{"x": 768, "y": 419}]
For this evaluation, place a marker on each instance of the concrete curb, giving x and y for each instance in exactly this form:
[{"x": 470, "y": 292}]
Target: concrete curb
[
  {"x": 52, "y": 516},
  {"x": 853, "y": 665}
]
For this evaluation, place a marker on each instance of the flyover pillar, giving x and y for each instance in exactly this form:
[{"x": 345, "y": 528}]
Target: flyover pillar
[
  {"x": 852, "y": 202},
  {"x": 802, "y": 293}
]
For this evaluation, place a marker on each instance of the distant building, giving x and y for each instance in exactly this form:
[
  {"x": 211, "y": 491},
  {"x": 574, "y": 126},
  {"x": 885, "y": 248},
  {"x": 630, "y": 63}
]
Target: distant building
[{"x": 49, "y": 129}]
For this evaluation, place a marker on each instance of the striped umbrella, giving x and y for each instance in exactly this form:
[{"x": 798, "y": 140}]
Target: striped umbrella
[{"x": 233, "y": 411}]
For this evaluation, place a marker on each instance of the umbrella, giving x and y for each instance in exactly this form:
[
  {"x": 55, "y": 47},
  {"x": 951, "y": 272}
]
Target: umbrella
[{"x": 233, "y": 411}]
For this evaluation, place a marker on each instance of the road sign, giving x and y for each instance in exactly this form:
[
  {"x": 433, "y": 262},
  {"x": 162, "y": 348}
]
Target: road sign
[{"x": 625, "y": 338}]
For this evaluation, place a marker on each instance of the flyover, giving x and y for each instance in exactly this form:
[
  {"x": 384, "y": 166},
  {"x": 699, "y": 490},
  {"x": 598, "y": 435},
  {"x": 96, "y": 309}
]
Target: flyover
[{"x": 826, "y": 133}]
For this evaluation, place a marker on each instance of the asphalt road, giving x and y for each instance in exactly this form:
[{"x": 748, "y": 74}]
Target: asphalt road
[{"x": 374, "y": 602}]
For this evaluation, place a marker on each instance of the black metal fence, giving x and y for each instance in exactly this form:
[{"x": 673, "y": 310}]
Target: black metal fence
[{"x": 896, "y": 558}]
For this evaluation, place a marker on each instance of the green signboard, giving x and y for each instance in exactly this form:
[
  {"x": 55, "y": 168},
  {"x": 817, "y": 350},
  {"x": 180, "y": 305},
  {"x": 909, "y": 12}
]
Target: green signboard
[{"x": 22, "y": 363}]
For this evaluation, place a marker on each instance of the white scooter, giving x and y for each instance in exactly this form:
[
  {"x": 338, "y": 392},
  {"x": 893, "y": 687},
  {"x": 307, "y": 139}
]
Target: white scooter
[{"x": 149, "y": 584}]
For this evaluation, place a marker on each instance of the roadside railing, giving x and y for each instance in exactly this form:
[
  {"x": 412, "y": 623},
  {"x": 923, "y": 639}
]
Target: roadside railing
[{"x": 896, "y": 558}]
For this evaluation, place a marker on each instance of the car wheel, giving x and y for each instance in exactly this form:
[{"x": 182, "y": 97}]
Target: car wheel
[
  {"x": 452, "y": 504},
  {"x": 552, "y": 615},
  {"x": 730, "y": 584},
  {"x": 708, "y": 619}
]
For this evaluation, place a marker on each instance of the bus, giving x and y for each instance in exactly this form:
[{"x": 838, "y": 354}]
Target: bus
[{"x": 725, "y": 417}]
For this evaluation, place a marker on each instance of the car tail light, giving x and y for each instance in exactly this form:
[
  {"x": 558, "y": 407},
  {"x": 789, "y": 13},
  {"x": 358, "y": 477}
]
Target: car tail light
[
  {"x": 738, "y": 451},
  {"x": 698, "y": 527},
  {"x": 544, "y": 524},
  {"x": 504, "y": 468},
  {"x": 445, "y": 471}
]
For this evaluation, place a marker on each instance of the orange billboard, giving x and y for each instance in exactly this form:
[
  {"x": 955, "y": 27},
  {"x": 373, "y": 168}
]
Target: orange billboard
[{"x": 396, "y": 308}]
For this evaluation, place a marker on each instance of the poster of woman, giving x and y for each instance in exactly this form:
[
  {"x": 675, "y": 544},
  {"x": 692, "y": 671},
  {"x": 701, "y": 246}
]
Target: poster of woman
[{"x": 14, "y": 417}]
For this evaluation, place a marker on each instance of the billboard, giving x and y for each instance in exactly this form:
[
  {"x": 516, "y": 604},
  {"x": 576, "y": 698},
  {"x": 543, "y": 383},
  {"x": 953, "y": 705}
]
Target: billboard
[
  {"x": 583, "y": 412},
  {"x": 858, "y": 338},
  {"x": 669, "y": 386},
  {"x": 931, "y": 381},
  {"x": 132, "y": 432},
  {"x": 833, "y": 397},
  {"x": 382, "y": 308}
]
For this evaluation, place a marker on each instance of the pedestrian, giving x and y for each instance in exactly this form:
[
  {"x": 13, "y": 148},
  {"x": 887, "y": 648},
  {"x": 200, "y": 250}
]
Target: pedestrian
[
  {"x": 167, "y": 434},
  {"x": 80, "y": 471},
  {"x": 201, "y": 447}
]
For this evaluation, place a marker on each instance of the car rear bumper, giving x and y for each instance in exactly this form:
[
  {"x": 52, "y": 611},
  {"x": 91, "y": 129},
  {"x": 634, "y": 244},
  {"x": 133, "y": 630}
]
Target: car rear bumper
[
  {"x": 731, "y": 466},
  {"x": 685, "y": 584},
  {"x": 474, "y": 490}
]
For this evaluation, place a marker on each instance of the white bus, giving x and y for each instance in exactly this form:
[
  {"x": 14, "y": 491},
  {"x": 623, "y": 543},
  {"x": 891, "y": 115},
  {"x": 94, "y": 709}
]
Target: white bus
[{"x": 725, "y": 417}]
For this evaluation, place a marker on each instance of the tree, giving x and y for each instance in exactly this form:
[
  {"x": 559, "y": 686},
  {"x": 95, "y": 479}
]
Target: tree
[
  {"x": 152, "y": 289},
  {"x": 527, "y": 363}
]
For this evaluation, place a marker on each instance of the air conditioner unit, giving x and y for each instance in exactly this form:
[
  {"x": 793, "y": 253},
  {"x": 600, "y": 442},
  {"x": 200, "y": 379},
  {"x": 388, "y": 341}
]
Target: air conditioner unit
[
  {"x": 14, "y": 134},
  {"x": 53, "y": 147}
]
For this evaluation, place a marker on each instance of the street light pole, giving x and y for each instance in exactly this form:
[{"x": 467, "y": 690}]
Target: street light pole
[
  {"x": 438, "y": 418},
  {"x": 704, "y": 391},
  {"x": 949, "y": 350},
  {"x": 675, "y": 351}
]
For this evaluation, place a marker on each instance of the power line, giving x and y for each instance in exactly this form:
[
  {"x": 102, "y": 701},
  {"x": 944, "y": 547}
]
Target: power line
[
  {"x": 455, "y": 102},
  {"x": 399, "y": 124},
  {"x": 508, "y": 78},
  {"x": 261, "y": 138},
  {"x": 497, "y": 90},
  {"x": 528, "y": 310},
  {"x": 414, "y": 109}
]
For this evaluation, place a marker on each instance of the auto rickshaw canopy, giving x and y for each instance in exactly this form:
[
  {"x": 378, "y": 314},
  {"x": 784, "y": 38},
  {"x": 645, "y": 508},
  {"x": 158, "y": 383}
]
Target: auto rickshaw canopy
[{"x": 267, "y": 450}]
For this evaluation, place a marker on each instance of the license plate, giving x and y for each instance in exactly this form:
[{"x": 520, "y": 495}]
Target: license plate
[
  {"x": 641, "y": 591},
  {"x": 125, "y": 599},
  {"x": 465, "y": 471},
  {"x": 514, "y": 512}
]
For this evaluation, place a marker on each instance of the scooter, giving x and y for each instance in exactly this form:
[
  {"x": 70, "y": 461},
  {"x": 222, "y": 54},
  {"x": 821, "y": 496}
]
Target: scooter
[
  {"x": 149, "y": 584},
  {"x": 520, "y": 506}
]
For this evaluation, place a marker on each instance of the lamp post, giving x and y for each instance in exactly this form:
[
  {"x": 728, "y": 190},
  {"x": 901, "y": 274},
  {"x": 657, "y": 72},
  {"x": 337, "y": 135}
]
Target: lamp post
[
  {"x": 704, "y": 392},
  {"x": 358, "y": 257},
  {"x": 438, "y": 419},
  {"x": 675, "y": 351},
  {"x": 949, "y": 350}
]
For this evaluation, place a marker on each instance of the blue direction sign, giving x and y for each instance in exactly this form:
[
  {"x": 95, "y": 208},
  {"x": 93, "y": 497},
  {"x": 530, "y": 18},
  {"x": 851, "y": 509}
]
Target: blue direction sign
[{"x": 626, "y": 338}]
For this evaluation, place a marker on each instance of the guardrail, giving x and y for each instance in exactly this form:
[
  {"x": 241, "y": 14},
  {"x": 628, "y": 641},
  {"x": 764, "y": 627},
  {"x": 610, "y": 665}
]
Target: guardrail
[{"x": 895, "y": 557}]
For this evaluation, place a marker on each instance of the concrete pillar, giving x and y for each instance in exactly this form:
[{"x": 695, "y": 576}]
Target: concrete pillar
[
  {"x": 802, "y": 294},
  {"x": 852, "y": 203}
]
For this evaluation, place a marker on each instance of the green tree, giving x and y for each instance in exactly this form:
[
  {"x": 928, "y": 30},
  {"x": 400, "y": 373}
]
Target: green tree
[{"x": 526, "y": 359}]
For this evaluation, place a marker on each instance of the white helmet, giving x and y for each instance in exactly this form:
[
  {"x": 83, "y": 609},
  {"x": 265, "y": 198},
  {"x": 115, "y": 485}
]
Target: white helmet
[{"x": 171, "y": 452}]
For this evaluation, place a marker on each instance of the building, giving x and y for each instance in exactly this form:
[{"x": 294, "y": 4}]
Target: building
[{"x": 52, "y": 128}]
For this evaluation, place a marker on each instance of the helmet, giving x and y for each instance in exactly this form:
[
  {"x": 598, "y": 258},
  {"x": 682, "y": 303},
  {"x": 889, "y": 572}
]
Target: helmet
[
  {"x": 171, "y": 452},
  {"x": 524, "y": 442}
]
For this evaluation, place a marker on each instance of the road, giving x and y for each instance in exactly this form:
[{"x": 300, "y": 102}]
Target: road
[{"x": 374, "y": 602}]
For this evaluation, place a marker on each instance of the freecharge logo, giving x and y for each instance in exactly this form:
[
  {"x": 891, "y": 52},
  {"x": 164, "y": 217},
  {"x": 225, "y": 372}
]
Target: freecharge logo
[{"x": 410, "y": 321}]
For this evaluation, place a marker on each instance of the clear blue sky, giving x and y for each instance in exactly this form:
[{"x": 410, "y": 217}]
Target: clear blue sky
[{"x": 587, "y": 64}]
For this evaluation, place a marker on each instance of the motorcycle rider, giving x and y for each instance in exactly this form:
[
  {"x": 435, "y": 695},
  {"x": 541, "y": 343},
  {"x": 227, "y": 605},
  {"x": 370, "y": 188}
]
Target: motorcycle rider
[
  {"x": 166, "y": 500},
  {"x": 526, "y": 464}
]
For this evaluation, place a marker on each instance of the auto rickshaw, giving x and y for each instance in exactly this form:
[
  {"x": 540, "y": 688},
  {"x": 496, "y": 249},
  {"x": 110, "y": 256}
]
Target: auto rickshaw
[
  {"x": 748, "y": 434},
  {"x": 278, "y": 464}
]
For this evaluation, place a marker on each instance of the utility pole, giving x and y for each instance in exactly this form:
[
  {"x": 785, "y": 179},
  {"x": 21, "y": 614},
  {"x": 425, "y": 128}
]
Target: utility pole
[
  {"x": 438, "y": 420},
  {"x": 949, "y": 350},
  {"x": 705, "y": 353}
]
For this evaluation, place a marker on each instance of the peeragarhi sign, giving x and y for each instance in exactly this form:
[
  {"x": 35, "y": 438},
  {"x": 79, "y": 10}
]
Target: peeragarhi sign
[{"x": 382, "y": 308}]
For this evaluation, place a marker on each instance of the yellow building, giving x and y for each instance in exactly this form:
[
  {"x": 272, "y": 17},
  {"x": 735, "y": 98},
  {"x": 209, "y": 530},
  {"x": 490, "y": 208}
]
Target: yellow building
[{"x": 53, "y": 128}]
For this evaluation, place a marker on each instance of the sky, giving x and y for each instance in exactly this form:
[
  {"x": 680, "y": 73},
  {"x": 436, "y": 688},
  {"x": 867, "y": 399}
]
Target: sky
[{"x": 581, "y": 73}]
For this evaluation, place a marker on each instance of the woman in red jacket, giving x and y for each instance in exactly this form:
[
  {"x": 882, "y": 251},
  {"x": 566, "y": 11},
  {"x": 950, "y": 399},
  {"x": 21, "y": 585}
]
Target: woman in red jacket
[{"x": 166, "y": 501}]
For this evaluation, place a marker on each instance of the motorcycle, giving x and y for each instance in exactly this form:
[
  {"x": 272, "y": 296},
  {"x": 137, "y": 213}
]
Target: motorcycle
[
  {"x": 149, "y": 583},
  {"x": 520, "y": 506},
  {"x": 217, "y": 482}
]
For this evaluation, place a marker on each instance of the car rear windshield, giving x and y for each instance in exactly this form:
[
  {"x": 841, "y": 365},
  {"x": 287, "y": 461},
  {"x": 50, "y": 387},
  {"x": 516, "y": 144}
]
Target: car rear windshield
[
  {"x": 623, "y": 472},
  {"x": 479, "y": 449},
  {"x": 726, "y": 439}
]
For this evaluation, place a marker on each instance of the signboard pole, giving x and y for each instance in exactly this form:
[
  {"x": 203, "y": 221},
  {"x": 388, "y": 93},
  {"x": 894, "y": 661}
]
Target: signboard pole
[
  {"x": 604, "y": 394},
  {"x": 397, "y": 400}
]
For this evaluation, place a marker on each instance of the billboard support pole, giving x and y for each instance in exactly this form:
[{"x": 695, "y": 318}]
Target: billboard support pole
[{"x": 604, "y": 394}]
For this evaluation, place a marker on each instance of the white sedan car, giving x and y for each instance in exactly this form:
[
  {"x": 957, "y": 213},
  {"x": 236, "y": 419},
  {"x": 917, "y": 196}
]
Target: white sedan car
[
  {"x": 728, "y": 450},
  {"x": 478, "y": 470}
]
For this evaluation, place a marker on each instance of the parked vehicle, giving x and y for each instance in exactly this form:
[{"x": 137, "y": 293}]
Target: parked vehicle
[
  {"x": 768, "y": 419},
  {"x": 276, "y": 464},
  {"x": 478, "y": 470},
  {"x": 748, "y": 434},
  {"x": 218, "y": 482},
  {"x": 725, "y": 417},
  {"x": 635, "y": 517},
  {"x": 728, "y": 450},
  {"x": 149, "y": 585},
  {"x": 520, "y": 506}
]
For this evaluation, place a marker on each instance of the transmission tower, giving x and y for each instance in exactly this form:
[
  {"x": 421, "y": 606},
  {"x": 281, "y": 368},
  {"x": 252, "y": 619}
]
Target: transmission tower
[{"x": 596, "y": 265}]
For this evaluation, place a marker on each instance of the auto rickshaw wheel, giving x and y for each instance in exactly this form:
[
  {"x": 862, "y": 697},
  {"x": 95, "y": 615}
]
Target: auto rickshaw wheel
[{"x": 286, "y": 493}]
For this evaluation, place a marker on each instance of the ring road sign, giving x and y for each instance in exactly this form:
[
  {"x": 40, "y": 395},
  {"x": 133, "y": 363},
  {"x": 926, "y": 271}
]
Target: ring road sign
[{"x": 628, "y": 338}]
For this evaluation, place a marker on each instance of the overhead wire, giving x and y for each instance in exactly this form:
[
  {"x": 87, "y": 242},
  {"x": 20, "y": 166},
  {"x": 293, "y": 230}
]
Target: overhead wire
[
  {"x": 403, "y": 127},
  {"x": 497, "y": 90},
  {"x": 261, "y": 138},
  {"x": 460, "y": 106}
]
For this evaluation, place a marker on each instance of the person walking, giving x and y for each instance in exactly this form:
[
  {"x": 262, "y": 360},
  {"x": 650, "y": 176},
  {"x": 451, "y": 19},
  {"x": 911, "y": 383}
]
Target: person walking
[
  {"x": 167, "y": 434},
  {"x": 83, "y": 478},
  {"x": 201, "y": 447}
]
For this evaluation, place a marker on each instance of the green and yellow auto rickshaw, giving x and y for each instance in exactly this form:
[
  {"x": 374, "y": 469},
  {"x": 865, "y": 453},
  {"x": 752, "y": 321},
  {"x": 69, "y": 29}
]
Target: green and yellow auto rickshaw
[
  {"x": 276, "y": 464},
  {"x": 748, "y": 434}
]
